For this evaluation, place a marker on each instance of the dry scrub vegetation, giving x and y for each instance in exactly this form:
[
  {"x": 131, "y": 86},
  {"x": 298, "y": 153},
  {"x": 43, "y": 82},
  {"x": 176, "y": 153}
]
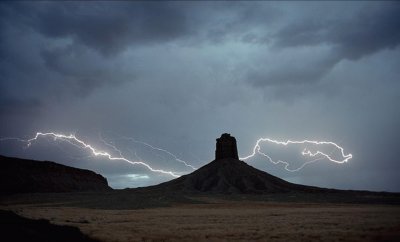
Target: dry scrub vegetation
[{"x": 230, "y": 221}]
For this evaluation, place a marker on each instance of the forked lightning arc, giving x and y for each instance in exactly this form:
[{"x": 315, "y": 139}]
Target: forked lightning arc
[
  {"x": 159, "y": 149},
  {"x": 73, "y": 140},
  {"x": 305, "y": 152}
]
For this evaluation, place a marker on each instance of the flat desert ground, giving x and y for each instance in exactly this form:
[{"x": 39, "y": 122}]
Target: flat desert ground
[{"x": 228, "y": 221}]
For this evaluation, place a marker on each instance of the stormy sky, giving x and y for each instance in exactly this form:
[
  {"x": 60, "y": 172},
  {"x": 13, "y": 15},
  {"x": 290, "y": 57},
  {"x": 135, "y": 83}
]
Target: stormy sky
[{"x": 176, "y": 75}]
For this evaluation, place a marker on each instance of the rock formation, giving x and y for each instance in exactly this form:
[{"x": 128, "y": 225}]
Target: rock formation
[
  {"x": 229, "y": 175},
  {"x": 226, "y": 147},
  {"x": 29, "y": 176}
]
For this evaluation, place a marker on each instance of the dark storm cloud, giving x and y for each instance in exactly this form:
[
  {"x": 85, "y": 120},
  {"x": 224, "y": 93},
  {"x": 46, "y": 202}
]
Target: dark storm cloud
[
  {"x": 76, "y": 66},
  {"x": 238, "y": 21},
  {"x": 70, "y": 48},
  {"x": 12, "y": 106},
  {"x": 365, "y": 32},
  {"x": 106, "y": 26},
  {"x": 296, "y": 74}
]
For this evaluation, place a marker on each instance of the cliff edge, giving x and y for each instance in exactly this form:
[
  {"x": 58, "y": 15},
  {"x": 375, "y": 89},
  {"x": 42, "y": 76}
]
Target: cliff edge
[{"x": 31, "y": 176}]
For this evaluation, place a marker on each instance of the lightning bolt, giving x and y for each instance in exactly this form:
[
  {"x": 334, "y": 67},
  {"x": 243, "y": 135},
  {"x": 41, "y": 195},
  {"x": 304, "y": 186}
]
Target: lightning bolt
[
  {"x": 111, "y": 146},
  {"x": 159, "y": 149},
  {"x": 305, "y": 152},
  {"x": 73, "y": 140},
  {"x": 147, "y": 145}
]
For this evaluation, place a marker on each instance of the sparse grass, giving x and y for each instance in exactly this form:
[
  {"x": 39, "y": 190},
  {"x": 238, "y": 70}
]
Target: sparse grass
[
  {"x": 140, "y": 215},
  {"x": 230, "y": 221}
]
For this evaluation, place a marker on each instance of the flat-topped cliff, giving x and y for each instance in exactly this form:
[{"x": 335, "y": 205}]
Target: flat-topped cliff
[{"x": 31, "y": 176}]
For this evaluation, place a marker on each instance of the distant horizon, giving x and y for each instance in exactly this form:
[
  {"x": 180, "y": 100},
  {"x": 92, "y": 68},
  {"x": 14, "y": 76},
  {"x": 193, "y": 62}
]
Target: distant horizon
[{"x": 121, "y": 188}]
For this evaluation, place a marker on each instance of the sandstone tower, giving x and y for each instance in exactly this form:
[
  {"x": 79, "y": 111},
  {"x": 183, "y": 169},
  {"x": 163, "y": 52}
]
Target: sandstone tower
[{"x": 226, "y": 147}]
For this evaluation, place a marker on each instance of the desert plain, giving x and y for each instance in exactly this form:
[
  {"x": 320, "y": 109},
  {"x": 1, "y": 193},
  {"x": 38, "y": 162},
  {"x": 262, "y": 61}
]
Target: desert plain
[{"x": 227, "y": 220}]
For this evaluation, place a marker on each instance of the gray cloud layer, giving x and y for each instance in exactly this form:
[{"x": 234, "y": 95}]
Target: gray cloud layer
[{"x": 177, "y": 74}]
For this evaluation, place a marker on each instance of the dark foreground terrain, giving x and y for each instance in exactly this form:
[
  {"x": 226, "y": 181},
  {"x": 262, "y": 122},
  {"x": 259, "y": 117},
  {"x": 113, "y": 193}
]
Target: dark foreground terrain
[
  {"x": 215, "y": 219},
  {"x": 225, "y": 200},
  {"x": 16, "y": 228},
  {"x": 137, "y": 215}
]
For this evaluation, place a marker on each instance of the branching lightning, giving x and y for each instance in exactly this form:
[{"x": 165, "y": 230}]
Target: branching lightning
[
  {"x": 305, "y": 152},
  {"x": 160, "y": 149},
  {"x": 73, "y": 140}
]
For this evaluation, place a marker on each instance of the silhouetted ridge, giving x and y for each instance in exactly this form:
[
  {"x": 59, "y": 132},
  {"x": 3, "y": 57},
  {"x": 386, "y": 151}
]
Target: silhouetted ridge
[
  {"x": 227, "y": 174},
  {"x": 231, "y": 176},
  {"x": 22, "y": 176}
]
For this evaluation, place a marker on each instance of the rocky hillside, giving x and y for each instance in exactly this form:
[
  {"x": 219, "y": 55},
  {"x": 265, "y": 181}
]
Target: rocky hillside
[
  {"x": 231, "y": 176},
  {"x": 30, "y": 176}
]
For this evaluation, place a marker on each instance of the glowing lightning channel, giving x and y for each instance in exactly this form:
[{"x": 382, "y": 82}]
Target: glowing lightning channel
[
  {"x": 305, "y": 152},
  {"x": 159, "y": 149},
  {"x": 73, "y": 140},
  {"x": 111, "y": 146}
]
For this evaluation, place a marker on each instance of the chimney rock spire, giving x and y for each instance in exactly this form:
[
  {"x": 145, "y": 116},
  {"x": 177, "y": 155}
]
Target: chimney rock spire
[{"x": 226, "y": 147}]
